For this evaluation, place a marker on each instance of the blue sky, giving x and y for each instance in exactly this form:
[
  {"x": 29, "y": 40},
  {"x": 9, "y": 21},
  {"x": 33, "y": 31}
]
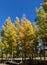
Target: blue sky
[{"x": 16, "y": 8}]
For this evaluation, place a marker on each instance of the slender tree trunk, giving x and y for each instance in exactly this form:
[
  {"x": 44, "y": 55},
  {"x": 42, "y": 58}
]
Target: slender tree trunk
[
  {"x": 12, "y": 54},
  {"x": 44, "y": 51},
  {"x": 32, "y": 56},
  {"x": 6, "y": 58},
  {"x": 40, "y": 57},
  {"x": 2, "y": 57}
]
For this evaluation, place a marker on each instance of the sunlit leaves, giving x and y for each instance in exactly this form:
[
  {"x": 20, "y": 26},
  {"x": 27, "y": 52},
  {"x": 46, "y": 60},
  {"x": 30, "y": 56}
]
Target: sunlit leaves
[
  {"x": 42, "y": 20},
  {"x": 20, "y": 34},
  {"x": 9, "y": 35},
  {"x": 27, "y": 34}
]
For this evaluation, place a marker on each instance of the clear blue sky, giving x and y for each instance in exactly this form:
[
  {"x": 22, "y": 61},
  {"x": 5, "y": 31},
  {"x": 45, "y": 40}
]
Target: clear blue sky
[{"x": 16, "y": 8}]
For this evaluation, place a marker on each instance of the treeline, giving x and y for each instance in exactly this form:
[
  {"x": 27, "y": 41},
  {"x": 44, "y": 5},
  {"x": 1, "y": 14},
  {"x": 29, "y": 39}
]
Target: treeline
[
  {"x": 24, "y": 38},
  {"x": 18, "y": 37}
]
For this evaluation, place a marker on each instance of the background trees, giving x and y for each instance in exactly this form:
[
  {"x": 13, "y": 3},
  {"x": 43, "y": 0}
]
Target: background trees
[
  {"x": 27, "y": 36},
  {"x": 9, "y": 37},
  {"x": 22, "y": 34},
  {"x": 42, "y": 24}
]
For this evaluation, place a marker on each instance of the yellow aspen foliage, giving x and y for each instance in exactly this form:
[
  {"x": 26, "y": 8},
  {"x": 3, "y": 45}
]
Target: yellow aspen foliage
[
  {"x": 9, "y": 35},
  {"x": 27, "y": 34}
]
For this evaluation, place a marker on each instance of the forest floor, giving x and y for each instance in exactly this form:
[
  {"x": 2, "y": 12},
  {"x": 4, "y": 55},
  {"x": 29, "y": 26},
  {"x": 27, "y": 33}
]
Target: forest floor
[{"x": 2, "y": 64}]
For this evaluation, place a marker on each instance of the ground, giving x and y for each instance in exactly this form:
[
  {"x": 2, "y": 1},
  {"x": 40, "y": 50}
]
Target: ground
[{"x": 2, "y": 64}]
